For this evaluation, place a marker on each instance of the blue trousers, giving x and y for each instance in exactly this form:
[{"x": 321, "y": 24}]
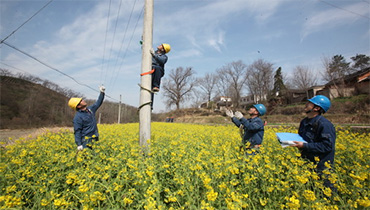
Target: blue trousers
[{"x": 157, "y": 76}]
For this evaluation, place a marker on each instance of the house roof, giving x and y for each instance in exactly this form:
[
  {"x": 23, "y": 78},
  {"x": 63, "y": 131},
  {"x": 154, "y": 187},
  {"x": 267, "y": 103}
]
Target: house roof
[
  {"x": 358, "y": 76},
  {"x": 364, "y": 77}
]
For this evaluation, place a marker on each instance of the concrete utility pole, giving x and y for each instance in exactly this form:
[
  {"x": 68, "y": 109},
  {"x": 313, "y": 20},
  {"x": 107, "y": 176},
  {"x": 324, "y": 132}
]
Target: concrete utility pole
[
  {"x": 119, "y": 109},
  {"x": 146, "y": 80}
]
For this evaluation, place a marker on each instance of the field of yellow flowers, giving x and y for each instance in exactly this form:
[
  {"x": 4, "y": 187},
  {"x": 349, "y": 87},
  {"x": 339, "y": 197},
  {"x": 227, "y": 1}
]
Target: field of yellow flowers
[{"x": 189, "y": 167}]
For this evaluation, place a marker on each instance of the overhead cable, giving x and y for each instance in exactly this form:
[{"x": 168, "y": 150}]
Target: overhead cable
[
  {"x": 128, "y": 45},
  {"x": 114, "y": 33},
  {"x": 26, "y": 21},
  {"x": 344, "y": 9},
  {"x": 105, "y": 43},
  {"x": 14, "y": 67},
  {"x": 55, "y": 69}
]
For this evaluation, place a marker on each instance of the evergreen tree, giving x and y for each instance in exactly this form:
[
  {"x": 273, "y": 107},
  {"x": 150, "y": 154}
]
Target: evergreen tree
[
  {"x": 339, "y": 68},
  {"x": 360, "y": 61},
  {"x": 279, "y": 86}
]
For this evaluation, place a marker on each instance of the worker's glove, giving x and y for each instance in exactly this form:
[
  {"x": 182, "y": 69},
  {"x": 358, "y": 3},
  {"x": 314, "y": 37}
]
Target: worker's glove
[
  {"x": 102, "y": 89},
  {"x": 152, "y": 52},
  {"x": 229, "y": 113},
  {"x": 80, "y": 148},
  {"x": 238, "y": 115}
]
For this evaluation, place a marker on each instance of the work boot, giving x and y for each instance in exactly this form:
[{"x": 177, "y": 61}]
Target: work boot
[{"x": 155, "y": 89}]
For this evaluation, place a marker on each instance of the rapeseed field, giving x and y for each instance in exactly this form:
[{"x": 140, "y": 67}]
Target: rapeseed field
[{"x": 188, "y": 167}]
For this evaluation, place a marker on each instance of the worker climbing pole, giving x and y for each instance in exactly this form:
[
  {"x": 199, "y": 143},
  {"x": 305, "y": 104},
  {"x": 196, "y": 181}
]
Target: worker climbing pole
[{"x": 146, "y": 79}]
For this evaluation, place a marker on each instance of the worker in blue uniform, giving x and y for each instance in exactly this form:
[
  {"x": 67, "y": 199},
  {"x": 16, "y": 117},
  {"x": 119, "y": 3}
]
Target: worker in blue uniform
[
  {"x": 159, "y": 59},
  {"x": 319, "y": 133},
  {"x": 253, "y": 128},
  {"x": 84, "y": 122}
]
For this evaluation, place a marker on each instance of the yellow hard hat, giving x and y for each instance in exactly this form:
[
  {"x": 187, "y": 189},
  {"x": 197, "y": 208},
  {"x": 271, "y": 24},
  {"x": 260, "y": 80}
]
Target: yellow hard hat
[
  {"x": 73, "y": 102},
  {"x": 166, "y": 47}
]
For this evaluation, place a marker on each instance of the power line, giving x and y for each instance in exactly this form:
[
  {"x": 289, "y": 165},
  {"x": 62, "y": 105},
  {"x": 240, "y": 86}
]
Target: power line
[
  {"x": 26, "y": 21},
  {"x": 129, "y": 43},
  {"x": 344, "y": 9},
  {"x": 14, "y": 67},
  {"x": 132, "y": 35},
  {"x": 123, "y": 39},
  {"x": 114, "y": 33},
  {"x": 105, "y": 44},
  {"x": 82, "y": 84}
]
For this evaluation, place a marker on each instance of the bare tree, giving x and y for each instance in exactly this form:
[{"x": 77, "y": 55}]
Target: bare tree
[
  {"x": 232, "y": 79},
  {"x": 260, "y": 78},
  {"x": 5, "y": 72},
  {"x": 197, "y": 98},
  {"x": 303, "y": 78},
  {"x": 208, "y": 85},
  {"x": 178, "y": 86}
]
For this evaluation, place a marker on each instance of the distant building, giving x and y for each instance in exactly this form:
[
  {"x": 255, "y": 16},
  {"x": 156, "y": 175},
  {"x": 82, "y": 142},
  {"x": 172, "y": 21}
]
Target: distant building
[
  {"x": 247, "y": 101},
  {"x": 223, "y": 103},
  {"x": 296, "y": 96},
  {"x": 314, "y": 90},
  {"x": 353, "y": 84}
]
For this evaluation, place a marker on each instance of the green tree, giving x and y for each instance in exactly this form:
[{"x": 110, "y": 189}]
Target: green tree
[
  {"x": 360, "y": 61},
  {"x": 279, "y": 86},
  {"x": 339, "y": 67}
]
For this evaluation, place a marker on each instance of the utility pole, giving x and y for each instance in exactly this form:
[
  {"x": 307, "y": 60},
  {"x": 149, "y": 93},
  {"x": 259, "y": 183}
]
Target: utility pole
[
  {"x": 119, "y": 110},
  {"x": 146, "y": 80}
]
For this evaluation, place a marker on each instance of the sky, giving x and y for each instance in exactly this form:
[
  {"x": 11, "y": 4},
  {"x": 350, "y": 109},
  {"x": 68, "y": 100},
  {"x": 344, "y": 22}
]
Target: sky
[{"x": 98, "y": 42}]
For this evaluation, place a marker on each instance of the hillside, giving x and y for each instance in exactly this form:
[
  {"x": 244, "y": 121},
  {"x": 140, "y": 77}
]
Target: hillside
[{"x": 25, "y": 104}]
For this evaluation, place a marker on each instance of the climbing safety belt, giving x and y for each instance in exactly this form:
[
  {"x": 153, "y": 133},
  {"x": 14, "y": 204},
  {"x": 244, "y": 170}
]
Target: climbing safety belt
[{"x": 148, "y": 72}]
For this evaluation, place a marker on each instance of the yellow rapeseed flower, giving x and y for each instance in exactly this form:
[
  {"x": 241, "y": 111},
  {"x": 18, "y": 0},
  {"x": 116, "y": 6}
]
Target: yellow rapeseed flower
[
  {"x": 212, "y": 195},
  {"x": 309, "y": 195}
]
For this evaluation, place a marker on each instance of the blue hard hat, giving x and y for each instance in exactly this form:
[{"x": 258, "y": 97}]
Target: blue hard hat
[
  {"x": 321, "y": 101},
  {"x": 260, "y": 108}
]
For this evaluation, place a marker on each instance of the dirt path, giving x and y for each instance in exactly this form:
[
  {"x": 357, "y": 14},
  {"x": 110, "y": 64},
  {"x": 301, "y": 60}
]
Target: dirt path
[{"x": 8, "y": 136}]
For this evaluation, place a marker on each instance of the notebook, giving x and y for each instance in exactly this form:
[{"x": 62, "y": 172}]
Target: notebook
[{"x": 286, "y": 139}]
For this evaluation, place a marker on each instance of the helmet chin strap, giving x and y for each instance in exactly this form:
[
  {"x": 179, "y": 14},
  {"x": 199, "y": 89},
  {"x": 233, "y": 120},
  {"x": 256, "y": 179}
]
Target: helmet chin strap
[{"x": 309, "y": 111}]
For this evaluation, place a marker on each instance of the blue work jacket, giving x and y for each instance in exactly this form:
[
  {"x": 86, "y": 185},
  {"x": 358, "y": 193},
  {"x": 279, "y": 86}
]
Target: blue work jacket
[
  {"x": 320, "y": 136},
  {"x": 84, "y": 122},
  {"x": 254, "y": 129},
  {"x": 159, "y": 59}
]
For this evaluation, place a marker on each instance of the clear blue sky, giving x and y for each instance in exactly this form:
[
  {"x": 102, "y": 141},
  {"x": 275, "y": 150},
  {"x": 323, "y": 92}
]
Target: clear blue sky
[{"x": 97, "y": 42}]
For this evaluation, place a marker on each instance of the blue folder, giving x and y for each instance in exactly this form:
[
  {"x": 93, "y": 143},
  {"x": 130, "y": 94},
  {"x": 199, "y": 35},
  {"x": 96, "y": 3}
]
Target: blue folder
[{"x": 286, "y": 139}]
